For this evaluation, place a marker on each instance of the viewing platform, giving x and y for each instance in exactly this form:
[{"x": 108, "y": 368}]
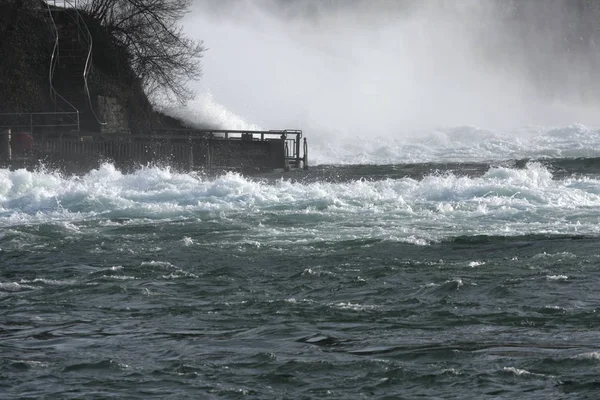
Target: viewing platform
[
  {"x": 81, "y": 126},
  {"x": 27, "y": 140}
]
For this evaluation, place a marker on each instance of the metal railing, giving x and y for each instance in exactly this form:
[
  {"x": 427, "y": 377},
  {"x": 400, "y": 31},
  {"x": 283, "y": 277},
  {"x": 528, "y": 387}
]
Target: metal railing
[
  {"x": 84, "y": 31},
  {"x": 186, "y": 149},
  {"x": 291, "y": 140},
  {"x": 54, "y": 95},
  {"x": 40, "y": 121}
]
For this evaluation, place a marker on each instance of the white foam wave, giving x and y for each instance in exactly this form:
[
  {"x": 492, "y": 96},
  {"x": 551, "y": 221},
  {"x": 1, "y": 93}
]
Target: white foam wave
[
  {"x": 205, "y": 112},
  {"x": 316, "y": 271},
  {"x": 557, "y": 277},
  {"x": 521, "y": 372},
  {"x": 594, "y": 355},
  {"x": 558, "y": 256},
  {"x": 50, "y": 282},
  {"x": 504, "y": 201},
  {"x": 16, "y": 287},
  {"x": 465, "y": 143},
  {"x": 119, "y": 277},
  {"x": 516, "y": 371},
  {"x": 474, "y": 264},
  {"x": 353, "y": 306},
  {"x": 555, "y": 308}
]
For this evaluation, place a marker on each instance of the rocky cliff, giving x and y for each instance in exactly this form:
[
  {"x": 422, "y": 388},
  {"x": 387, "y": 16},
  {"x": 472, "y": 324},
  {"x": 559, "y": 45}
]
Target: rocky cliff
[{"x": 116, "y": 100}]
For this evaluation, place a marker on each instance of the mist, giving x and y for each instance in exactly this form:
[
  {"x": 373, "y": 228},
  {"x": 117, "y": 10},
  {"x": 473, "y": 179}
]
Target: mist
[{"x": 376, "y": 68}]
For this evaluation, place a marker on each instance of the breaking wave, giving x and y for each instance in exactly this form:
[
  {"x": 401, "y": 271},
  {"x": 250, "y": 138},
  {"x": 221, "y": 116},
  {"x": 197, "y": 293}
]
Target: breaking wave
[
  {"x": 466, "y": 143},
  {"x": 503, "y": 201}
]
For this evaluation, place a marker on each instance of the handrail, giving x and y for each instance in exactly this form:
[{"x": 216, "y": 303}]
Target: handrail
[
  {"x": 37, "y": 120},
  {"x": 88, "y": 66},
  {"x": 38, "y": 113},
  {"x": 53, "y": 61},
  {"x": 200, "y": 134},
  {"x": 88, "y": 39}
]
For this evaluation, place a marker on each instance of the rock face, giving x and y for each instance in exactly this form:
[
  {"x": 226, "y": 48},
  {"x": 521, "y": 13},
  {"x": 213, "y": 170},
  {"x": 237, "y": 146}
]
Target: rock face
[
  {"x": 30, "y": 83},
  {"x": 24, "y": 58},
  {"x": 112, "y": 113}
]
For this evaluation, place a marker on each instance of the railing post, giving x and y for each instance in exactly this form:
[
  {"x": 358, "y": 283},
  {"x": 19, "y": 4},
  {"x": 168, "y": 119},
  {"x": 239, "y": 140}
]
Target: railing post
[
  {"x": 285, "y": 151},
  {"x": 208, "y": 156},
  {"x": 305, "y": 166},
  {"x": 191, "y": 153},
  {"x": 297, "y": 150}
]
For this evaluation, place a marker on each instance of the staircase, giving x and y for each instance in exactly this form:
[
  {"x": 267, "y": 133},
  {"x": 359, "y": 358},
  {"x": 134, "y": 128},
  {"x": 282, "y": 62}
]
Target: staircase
[{"x": 70, "y": 65}]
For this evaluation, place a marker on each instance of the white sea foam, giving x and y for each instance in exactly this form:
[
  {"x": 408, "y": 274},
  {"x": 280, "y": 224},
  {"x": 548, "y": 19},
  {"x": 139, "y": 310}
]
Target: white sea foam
[
  {"x": 503, "y": 201},
  {"x": 555, "y": 308},
  {"x": 474, "y": 264},
  {"x": 594, "y": 355},
  {"x": 16, "y": 287},
  {"x": 557, "y": 277},
  {"x": 50, "y": 282},
  {"x": 205, "y": 112},
  {"x": 316, "y": 271},
  {"x": 459, "y": 144},
  {"x": 521, "y": 372},
  {"x": 378, "y": 92},
  {"x": 451, "y": 371},
  {"x": 558, "y": 256},
  {"x": 119, "y": 277},
  {"x": 353, "y": 306}
]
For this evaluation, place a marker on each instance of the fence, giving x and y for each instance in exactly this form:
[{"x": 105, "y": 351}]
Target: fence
[
  {"x": 182, "y": 149},
  {"x": 40, "y": 121}
]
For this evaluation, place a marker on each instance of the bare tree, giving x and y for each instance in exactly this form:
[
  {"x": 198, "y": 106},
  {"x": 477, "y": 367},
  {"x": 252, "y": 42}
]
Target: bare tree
[{"x": 160, "y": 53}]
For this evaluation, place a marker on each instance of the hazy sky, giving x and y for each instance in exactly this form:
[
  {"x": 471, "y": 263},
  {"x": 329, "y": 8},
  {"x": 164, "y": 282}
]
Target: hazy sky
[{"x": 376, "y": 66}]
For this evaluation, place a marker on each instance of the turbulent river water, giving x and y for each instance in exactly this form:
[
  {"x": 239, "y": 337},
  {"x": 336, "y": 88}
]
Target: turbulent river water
[{"x": 440, "y": 269}]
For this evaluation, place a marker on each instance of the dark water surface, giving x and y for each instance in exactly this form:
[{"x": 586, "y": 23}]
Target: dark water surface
[{"x": 431, "y": 281}]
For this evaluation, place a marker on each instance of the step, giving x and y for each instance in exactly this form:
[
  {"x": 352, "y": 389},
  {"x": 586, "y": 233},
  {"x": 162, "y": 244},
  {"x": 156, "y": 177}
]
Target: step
[
  {"x": 66, "y": 75},
  {"x": 74, "y": 61},
  {"x": 70, "y": 84},
  {"x": 73, "y": 47},
  {"x": 71, "y": 87},
  {"x": 77, "y": 48},
  {"x": 70, "y": 66}
]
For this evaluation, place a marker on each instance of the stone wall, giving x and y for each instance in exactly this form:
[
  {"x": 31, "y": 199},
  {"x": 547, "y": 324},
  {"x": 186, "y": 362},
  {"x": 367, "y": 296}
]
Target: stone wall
[{"x": 113, "y": 114}]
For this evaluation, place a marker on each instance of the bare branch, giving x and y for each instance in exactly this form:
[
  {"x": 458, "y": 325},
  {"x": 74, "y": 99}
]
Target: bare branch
[{"x": 160, "y": 54}]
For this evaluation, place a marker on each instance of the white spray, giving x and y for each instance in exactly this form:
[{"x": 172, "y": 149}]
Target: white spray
[{"x": 358, "y": 71}]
